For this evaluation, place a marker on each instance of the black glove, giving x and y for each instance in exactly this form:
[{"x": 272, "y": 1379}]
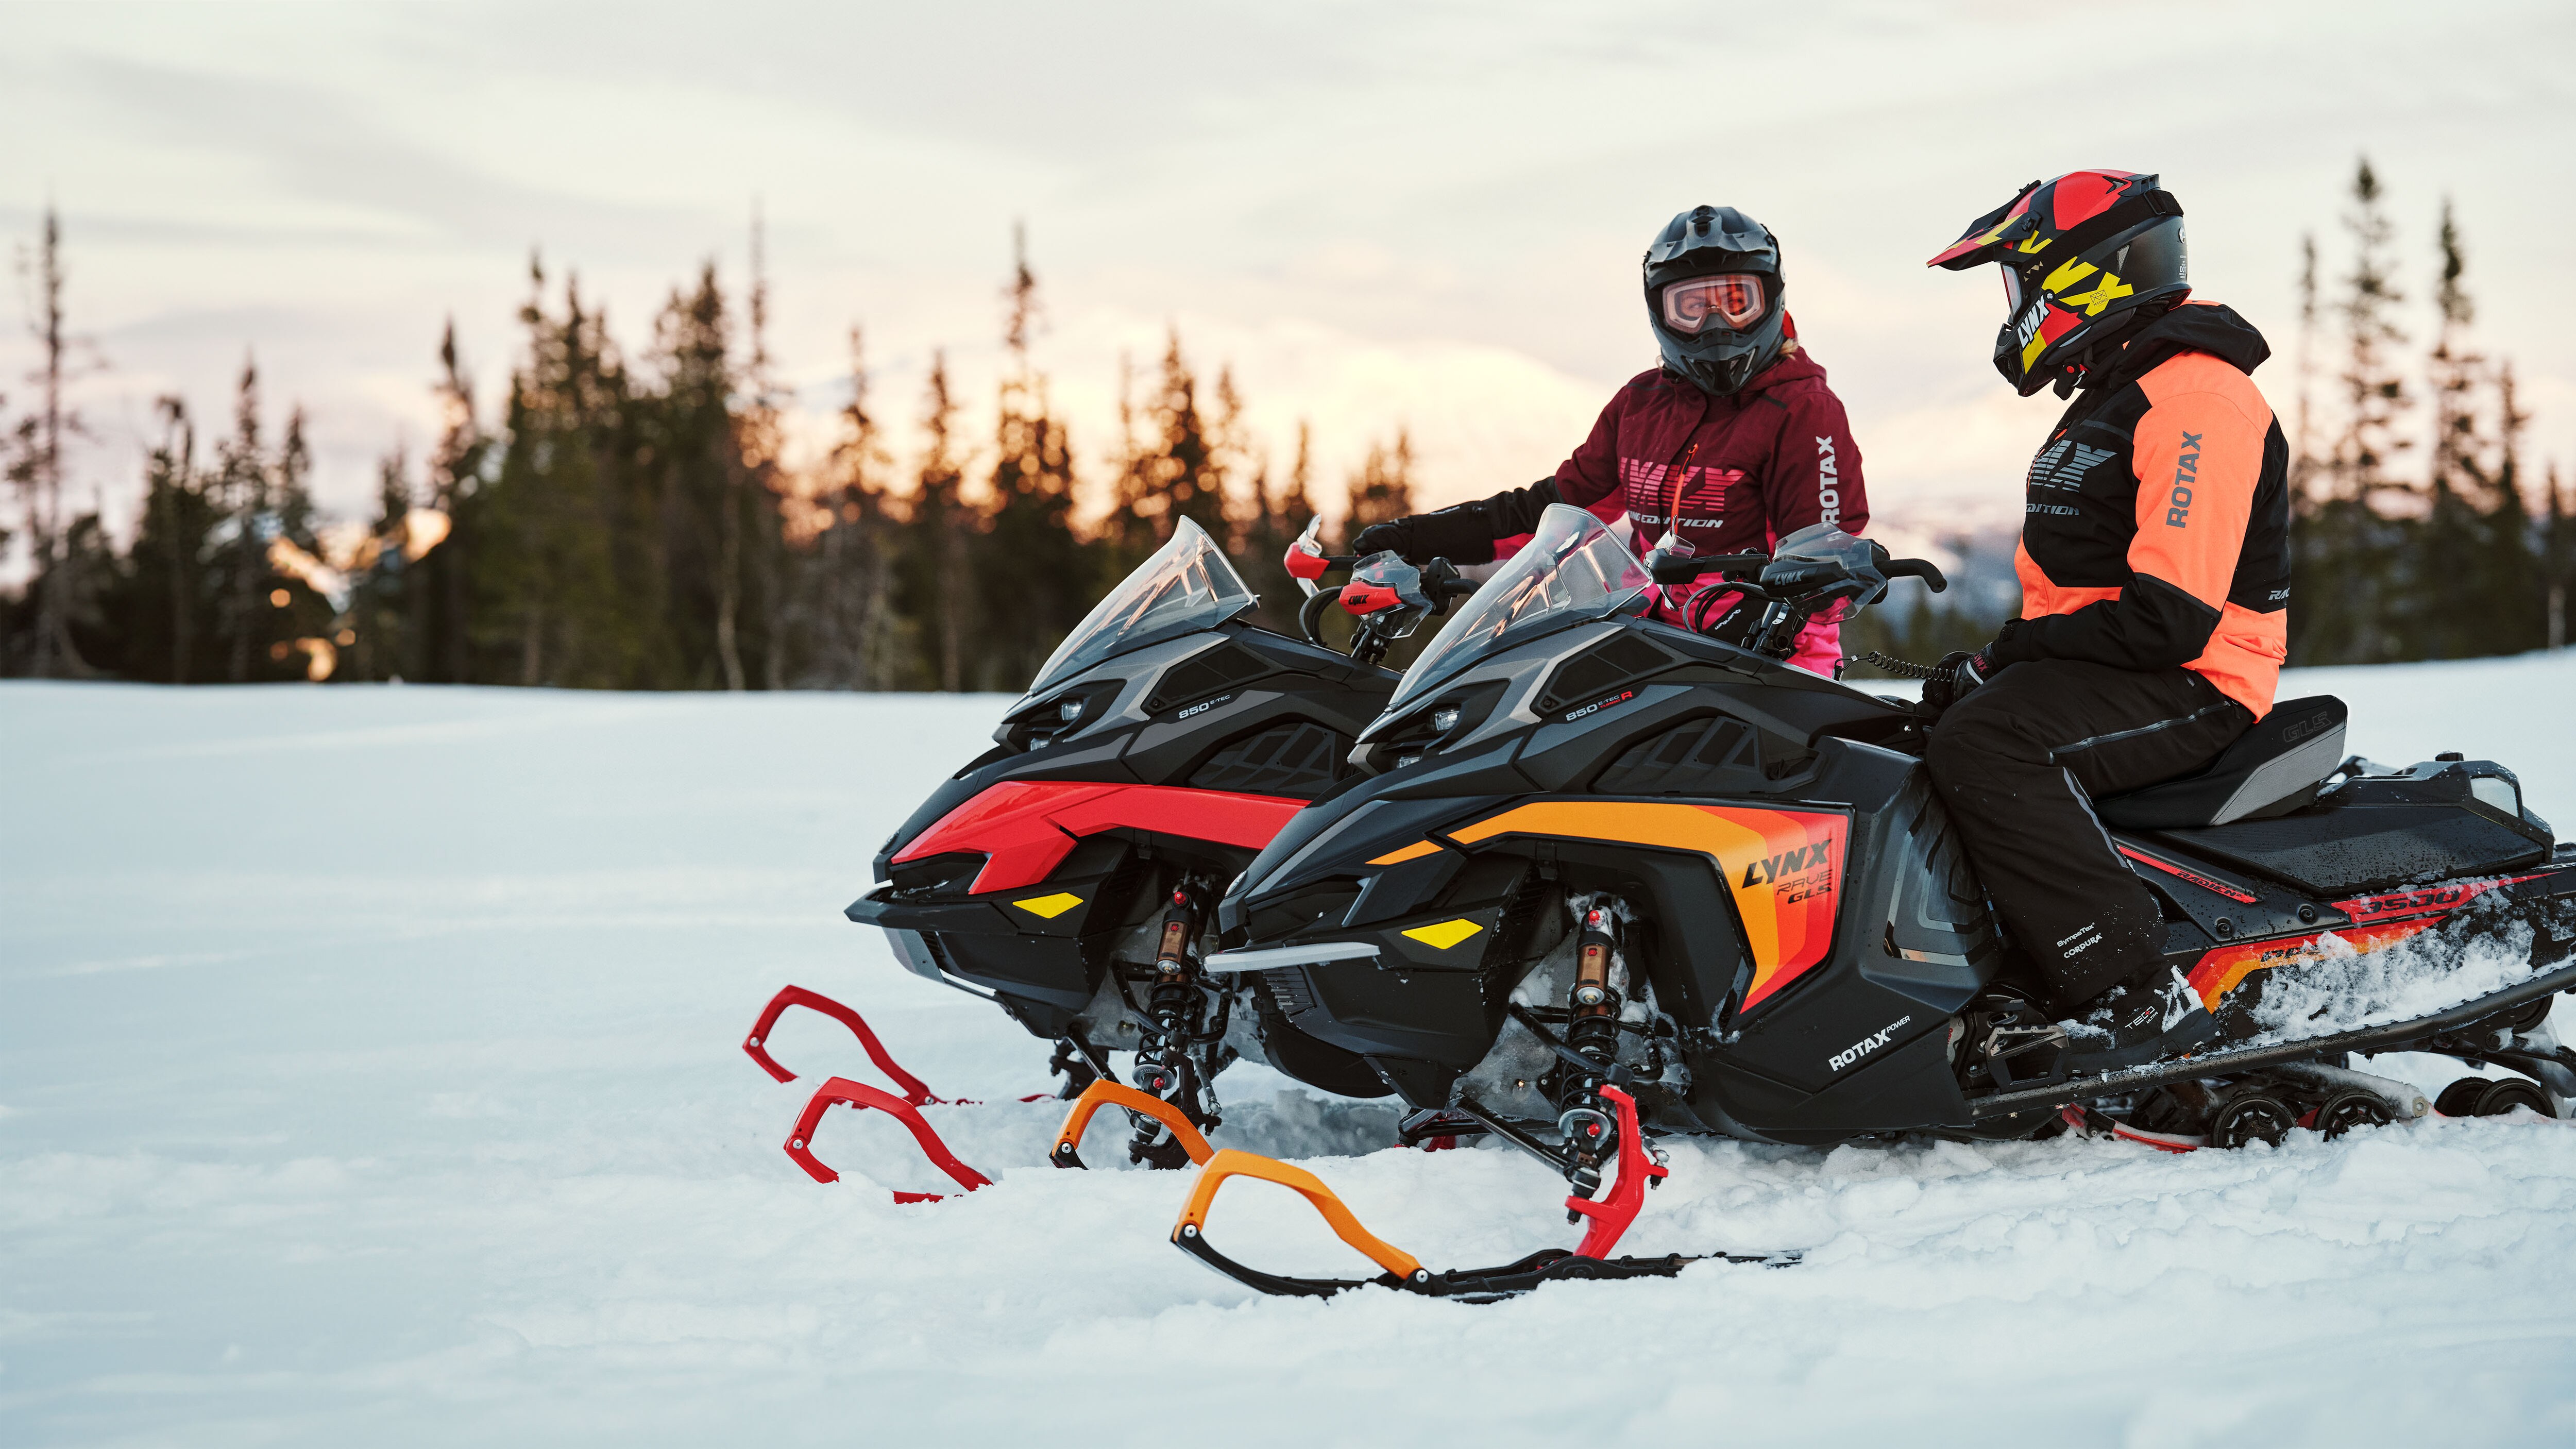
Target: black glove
[
  {"x": 1394, "y": 535},
  {"x": 1961, "y": 671},
  {"x": 1462, "y": 535}
]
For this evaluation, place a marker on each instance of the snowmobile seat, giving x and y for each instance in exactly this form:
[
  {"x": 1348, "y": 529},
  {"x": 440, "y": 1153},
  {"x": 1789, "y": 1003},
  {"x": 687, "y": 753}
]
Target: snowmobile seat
[{"x": 2272, "y": 769}]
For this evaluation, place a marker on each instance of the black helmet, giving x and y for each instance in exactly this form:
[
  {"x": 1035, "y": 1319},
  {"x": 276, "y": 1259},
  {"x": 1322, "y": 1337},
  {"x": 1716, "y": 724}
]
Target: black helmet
[
  {"x": 2086, "y": 258},
  {"x": 1722, "y": 331}
]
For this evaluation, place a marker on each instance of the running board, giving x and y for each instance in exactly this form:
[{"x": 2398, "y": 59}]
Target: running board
[{"x": 2396, "y": 1036}]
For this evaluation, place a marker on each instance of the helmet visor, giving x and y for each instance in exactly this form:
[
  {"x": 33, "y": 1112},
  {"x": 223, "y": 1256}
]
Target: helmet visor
[
  {"x": 1731, "y": 301},
  {"x": 2012, "y": 291}
]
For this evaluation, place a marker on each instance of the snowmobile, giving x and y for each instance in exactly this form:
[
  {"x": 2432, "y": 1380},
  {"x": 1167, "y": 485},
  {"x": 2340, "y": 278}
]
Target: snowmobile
[
  {"x": 1601, "y": 876},
  {"x": 1070, "y": 874}
]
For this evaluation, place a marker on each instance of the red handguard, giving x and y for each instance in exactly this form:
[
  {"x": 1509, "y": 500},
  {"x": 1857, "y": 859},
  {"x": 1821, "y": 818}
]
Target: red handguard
[
  {"x": 1367, "y": 599},
  {"x": 1303, "y": 563}
]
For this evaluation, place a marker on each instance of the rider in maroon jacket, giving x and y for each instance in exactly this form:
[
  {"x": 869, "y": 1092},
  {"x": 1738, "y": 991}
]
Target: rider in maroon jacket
[{"x": 1731, "y": 442}]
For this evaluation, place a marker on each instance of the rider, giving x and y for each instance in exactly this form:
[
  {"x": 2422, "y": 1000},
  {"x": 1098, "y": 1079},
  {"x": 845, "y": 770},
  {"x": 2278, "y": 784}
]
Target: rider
[
  {"x": 2155, "y": 573},
  {"x": 1731, "y": 442}
]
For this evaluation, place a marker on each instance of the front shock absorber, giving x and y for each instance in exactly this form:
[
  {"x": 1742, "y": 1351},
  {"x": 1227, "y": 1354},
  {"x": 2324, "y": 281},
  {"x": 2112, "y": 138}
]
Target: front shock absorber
[
  {"x": 1591, "y": 1032},
  {"x": 1172, "y": 1010}
]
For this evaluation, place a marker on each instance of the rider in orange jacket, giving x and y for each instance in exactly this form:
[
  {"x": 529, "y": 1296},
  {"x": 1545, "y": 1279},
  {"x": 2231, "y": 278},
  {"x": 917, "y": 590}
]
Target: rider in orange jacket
[{"x": 2155, "y": 572}]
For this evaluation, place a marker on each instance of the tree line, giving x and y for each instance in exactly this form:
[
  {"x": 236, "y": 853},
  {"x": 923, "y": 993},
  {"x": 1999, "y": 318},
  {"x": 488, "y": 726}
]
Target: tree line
[{"x": 629, "y": 522}]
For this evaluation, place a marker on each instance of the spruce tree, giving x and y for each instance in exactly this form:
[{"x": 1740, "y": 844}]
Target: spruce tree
[
  {"x": 1175, "y": 471},
  {"x": 1276, "y": 522},
  {"x": 2349, "y": 561},
  {"x": 379, "y": 619},
  {"x": 852, "y": 636},
  {"x": 441, "y": 628},
  {"x": 1383, "y": 488},
  {"x": 2449, "y": 614},
  {"x": 47, "y": 649},
  {"x": 1040, "y": 575},
  {"x": 547, "y": 603},
  {"x": 163, "y": 602},
  {"x": 936, "y": 590}
]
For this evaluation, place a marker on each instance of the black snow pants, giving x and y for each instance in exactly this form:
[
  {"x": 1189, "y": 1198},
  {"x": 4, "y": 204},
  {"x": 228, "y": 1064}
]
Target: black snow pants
[{"x": 2018, "y": 762}]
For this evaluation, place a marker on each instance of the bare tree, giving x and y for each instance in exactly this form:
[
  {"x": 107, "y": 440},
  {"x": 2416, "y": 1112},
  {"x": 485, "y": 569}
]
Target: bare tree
[{"x": 38, "y": 467}]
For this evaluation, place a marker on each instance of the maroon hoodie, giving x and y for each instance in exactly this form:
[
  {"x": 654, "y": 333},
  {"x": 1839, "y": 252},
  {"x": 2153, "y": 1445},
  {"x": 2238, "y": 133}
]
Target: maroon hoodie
[{"x": 1767, "y": 461}]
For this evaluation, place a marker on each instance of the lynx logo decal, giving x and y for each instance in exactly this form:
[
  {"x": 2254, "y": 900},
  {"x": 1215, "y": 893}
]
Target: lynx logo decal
[
  {"x": 1771, "y": 868},
  {"x": 1782, "y": 866}
]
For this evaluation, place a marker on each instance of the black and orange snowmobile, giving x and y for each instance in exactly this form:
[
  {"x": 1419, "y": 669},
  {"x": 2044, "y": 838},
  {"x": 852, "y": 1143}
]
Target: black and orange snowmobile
[{"x": 1602, "y": 878}]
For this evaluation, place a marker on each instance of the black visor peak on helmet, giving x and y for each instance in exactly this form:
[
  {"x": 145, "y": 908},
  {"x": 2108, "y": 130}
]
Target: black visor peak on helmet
[
  {"x": 2087, "y": 258},
  {"x": 1724, "y": 352}
]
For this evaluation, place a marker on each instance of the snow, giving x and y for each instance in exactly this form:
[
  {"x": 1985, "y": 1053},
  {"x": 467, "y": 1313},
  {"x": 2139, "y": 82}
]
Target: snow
[{"x": 370, "y": 1072}]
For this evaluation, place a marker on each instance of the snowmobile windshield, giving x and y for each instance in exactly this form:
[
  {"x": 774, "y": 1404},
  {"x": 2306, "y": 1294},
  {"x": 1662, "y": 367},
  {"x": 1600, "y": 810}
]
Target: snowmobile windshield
[
  {"x": 1185, "y": 587},
  {"x": 1571, "y": 570}
]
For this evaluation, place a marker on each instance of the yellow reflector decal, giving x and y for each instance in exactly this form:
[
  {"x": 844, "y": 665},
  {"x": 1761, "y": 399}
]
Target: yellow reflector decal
[
  {"x": 1444, "y": 935},
  {"x": 1049, "y": 907}
]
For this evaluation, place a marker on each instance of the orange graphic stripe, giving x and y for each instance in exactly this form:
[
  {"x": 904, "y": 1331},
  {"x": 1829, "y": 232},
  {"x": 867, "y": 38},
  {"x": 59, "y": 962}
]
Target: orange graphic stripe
[
  {"x": 2223, "y": 970},
  {"x": 1784, "y": 867}
]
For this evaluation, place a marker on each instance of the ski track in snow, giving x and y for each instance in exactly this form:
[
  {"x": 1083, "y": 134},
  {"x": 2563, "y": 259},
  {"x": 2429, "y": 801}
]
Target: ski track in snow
[{"x": 370, "y": 1072}]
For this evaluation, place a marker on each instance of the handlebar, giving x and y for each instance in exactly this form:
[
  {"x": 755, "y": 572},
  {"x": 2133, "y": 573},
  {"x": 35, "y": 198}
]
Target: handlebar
[
  {"x": 1916, "y": 568},
  {"x": 1683, "y": 568}
]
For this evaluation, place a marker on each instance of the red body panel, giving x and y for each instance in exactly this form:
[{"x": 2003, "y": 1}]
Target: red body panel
[{"x": 1025, "y": 828}]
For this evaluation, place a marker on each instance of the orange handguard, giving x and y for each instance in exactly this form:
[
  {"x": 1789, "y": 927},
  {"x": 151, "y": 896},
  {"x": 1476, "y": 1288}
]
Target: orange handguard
[
  {"x": 1106, "y": 1093},
  {"x": 1233, "y": 1162}
]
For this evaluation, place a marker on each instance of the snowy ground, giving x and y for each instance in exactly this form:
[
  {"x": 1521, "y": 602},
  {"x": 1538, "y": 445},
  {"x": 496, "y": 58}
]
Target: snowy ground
[{"x": 369, "y": 1073}]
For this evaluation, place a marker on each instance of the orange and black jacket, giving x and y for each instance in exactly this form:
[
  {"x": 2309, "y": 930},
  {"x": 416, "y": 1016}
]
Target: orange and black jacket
[{"x": 2157, "y": 530}]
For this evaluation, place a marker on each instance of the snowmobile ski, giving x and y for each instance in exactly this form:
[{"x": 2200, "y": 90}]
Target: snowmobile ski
[
  {"x": 757, "y": 1044},
  {"x": 1609, "y": 1218},
  {"x": 842, "y": 1092},
  {"x": 1106, "y": 1093}
]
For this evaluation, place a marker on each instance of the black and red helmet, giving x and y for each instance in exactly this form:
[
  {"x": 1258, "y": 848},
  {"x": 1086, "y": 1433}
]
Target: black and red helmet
[{"x": 2085, "y": 257}]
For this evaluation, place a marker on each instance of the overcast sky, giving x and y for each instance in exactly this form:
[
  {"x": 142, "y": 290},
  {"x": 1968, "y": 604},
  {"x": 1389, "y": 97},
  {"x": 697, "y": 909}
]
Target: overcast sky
[{"x": 1427, "y": 215}]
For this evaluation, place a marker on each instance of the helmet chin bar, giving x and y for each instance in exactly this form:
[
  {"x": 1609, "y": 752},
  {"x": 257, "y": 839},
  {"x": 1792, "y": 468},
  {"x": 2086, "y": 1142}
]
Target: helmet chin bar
[{"x": 1713, "y": 242}]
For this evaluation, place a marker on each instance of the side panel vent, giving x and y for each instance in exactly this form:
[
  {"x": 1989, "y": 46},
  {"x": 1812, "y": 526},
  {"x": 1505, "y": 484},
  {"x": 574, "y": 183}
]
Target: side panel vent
[
  {"x": 1602, "y": 668},
  {"x": 1291, "y": 760},
  {"x": 1712, "y": 755},
  {"x": 1201, "y": 675}
]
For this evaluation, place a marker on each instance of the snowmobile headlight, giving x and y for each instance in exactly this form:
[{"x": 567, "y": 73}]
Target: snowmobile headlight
[
  {"x": 1069, "y": 711},
  {"x": 1445, "y": 718}
]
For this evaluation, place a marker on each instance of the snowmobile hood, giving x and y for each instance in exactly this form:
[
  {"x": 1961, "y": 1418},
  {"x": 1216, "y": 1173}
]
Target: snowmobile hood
[{"x": 2210, "y": 327}]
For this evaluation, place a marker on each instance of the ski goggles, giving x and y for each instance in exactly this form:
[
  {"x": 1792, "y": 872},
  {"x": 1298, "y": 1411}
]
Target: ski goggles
[{"x": 1729, "y": 301}]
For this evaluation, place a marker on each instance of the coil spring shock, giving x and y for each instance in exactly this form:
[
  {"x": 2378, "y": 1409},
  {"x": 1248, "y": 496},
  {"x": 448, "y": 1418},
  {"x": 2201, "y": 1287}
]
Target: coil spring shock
[
  {"x": 1592, "y": 1032},
  {"x": 1163, "y": 1064}
]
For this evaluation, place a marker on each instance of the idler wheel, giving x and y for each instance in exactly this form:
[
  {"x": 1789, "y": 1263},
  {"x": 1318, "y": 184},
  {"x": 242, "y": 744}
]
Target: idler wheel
[
  {"x": 2504, "y": 1094},
  {"x": 2460, "y": 1099},
  {"x": 2252, "y": 1115},
  {"x": 2350, "y": 1108},
  {"x": 2524, "y": 1017}
]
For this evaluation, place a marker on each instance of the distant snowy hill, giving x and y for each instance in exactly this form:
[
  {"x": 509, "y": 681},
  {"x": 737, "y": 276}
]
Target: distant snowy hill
[{"x": 370, "y": 1073}]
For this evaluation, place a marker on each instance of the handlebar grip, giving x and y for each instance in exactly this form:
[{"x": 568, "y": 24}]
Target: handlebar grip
[{"x": 1916, "y": 568}]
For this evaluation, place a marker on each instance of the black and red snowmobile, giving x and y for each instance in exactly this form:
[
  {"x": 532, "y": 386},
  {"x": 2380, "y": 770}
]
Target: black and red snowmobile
[
  {"x": 1070, "y": 874},
  {"x": 1607, "y": 877}
]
